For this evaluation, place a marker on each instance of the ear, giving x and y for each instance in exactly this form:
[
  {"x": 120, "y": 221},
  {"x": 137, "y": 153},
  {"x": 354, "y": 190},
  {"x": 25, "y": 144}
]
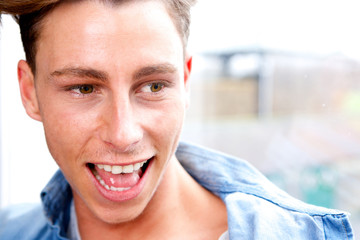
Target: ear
[
  {"x": 27, "y": 90},
  {"x": 187, "y": 71}
]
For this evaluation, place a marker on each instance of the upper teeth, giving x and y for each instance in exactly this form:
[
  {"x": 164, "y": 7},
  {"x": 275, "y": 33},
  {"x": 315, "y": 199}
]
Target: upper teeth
[{"x": 116, "y": 169}]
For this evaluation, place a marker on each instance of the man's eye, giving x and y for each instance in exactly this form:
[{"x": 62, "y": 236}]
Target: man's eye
[
  {"x": 156, "y": 87},
  {"x": 85, "y": 89}
]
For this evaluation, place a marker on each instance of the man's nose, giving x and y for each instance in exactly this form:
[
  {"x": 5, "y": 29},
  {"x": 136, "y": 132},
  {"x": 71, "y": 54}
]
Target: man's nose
[{"x": 122, "y": 129}]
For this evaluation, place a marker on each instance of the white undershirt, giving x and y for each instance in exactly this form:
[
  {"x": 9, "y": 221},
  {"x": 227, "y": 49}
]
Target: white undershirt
[{"x": 224, "y": 236}]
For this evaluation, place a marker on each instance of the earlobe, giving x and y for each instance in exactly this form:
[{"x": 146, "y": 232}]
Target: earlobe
[
  {"x": 27, "y": 90},
  {"x": 187, "y": 71}
]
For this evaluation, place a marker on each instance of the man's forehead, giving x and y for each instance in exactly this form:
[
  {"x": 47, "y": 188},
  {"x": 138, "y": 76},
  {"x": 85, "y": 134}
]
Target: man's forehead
[
  {"x": 74, "y": 44},
  {"x": 91, "y": 9}
]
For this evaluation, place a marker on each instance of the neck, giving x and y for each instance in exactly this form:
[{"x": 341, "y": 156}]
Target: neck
[{"x": 173, "y": 211}]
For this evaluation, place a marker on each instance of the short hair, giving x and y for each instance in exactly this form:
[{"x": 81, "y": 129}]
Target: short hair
[{"x": 30, "y": 13}]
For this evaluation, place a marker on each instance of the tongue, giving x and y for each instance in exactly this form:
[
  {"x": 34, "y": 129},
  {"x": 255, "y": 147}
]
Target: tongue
[{"x": 124, "y": 180}]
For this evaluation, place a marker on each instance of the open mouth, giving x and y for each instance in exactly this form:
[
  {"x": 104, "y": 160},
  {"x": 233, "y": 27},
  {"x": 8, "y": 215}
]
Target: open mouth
[{"x": 118, "y": 178}]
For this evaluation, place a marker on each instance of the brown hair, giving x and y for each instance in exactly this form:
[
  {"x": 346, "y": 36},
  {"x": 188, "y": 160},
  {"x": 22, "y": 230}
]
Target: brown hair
[{"x": 29, "y": 15}]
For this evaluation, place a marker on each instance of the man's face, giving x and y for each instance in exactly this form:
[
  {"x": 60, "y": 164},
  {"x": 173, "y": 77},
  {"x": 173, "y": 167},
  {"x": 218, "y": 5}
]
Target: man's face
[{"x": 111, "y": 91}]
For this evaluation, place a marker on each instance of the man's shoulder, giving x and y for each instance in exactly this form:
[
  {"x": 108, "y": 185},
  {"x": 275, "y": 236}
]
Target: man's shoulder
[
  {"x": 25, "y": 221},
  {"x": 287, "y": 218},
  {"x": 256, "y": 205}
]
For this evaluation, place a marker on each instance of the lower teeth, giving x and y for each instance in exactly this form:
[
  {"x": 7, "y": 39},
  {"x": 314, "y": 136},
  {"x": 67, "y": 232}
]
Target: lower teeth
[{"x": 112, "y": 188}]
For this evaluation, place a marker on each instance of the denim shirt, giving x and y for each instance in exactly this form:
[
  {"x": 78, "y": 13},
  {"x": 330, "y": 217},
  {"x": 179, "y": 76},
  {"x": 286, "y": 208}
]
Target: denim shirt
[{"x": 256, "y": 208}]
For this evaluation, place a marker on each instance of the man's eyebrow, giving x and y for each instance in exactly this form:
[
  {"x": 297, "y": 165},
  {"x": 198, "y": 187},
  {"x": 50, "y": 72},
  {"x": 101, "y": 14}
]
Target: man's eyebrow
[
  {"x": 81, "y": 72},
  {"x": 162, "y": 68}
]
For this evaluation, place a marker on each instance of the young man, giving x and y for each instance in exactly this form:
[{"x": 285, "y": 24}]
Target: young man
[{"x": 109, "y": 81}]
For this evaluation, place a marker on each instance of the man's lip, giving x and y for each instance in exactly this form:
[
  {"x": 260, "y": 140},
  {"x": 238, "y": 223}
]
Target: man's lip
[
  {"x": 126, "y": 194},
  {"x": 121, "y": 164},
  {"x": 140, "y": 165}
]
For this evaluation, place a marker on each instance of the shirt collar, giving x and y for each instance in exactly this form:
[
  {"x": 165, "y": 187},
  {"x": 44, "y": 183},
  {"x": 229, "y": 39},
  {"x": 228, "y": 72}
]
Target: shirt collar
[{"x": 56, "y": 198}]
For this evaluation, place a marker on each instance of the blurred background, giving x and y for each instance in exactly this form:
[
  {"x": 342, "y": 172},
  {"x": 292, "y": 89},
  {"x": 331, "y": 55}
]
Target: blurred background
[{"x": 274, "y": 82}]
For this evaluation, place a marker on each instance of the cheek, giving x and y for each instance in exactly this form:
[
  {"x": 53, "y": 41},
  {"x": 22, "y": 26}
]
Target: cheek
[
  {"x": 59, "y": 136},
  {"x": 66, "y": 132},
  {"x": 165, "y": 124}
]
